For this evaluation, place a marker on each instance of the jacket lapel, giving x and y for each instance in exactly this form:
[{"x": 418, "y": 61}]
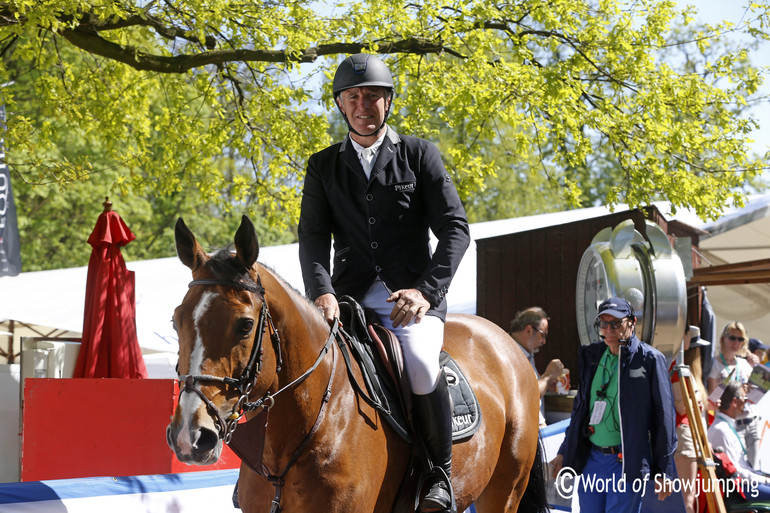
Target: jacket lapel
[
  {"x": 632, "y": 348},
  {"x": 384, "y": 156},
  {"x": 350, "y": 158}
]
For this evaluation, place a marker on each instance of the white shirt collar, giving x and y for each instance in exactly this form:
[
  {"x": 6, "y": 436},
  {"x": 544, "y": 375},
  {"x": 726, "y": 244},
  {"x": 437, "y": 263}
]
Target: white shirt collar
[
  {"x": 367, "y": 162},
  {"x": 725, "y": 418},
  {"x": 375, "y": 146}
]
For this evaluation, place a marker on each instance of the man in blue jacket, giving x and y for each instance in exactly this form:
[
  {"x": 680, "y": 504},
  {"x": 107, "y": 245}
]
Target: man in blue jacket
[
  {"x": 379, "y": 193},
  {"x": 622, "y": 437}
]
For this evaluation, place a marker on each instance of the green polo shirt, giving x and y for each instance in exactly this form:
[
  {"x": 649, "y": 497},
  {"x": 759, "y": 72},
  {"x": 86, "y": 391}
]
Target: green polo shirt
[{"x": 607, "y": 430}]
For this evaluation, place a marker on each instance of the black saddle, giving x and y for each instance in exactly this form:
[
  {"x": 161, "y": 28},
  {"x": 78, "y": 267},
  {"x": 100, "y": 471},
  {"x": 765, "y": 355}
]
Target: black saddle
[{"x": 377, "y": 353}]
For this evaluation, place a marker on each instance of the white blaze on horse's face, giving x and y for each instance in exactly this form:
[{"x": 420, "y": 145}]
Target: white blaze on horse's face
[
  {"x": 196, "y": 356},
  {"x": 189, "y": 404}
]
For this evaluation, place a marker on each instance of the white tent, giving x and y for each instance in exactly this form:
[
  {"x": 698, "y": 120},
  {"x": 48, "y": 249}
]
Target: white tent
[
  {"x": 56, "y": 298},
  {"x": 742, "y": 235}
]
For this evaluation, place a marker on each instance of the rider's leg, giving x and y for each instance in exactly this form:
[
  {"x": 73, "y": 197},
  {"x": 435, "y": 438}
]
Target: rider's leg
[
  {"x": 421, "y": 345},
  {"x": 433, "y": 414}
]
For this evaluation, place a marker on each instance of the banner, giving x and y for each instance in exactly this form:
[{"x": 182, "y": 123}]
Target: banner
[{"x": 10, "y": 253}]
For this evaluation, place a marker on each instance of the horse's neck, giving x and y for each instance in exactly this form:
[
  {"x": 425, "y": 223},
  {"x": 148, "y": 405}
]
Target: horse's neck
[
  {"x": 305, "y": 334},
  {"x": 302, "y": 331}
]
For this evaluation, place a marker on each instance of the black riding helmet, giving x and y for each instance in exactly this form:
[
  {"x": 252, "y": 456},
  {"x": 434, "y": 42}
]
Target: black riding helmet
[{"x": 362, "y": 70}]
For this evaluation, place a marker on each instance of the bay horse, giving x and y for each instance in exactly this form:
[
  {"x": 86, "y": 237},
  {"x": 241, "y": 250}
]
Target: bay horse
[{"x": 324, "y": 449}]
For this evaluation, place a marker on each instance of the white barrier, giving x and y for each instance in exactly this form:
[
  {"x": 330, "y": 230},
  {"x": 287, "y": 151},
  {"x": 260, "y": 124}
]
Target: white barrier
[
  {"x": 194, "y": 492},
  {"x": 552, "y": 436},
  {"x": 191, "y": 492}
]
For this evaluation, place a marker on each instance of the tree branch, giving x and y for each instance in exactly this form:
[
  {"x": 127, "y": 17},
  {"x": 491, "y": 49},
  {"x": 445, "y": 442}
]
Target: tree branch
[
  {"x": 144, "y": 20},
  {"x": 87, "y": 38}
]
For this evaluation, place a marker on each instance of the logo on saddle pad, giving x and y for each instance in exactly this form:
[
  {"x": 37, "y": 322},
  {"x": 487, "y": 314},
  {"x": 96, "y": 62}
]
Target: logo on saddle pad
[
  {"x": 462, "y": 419},
  {"x": 637, "y": 373},
  {"x": 466, "y": 414}
]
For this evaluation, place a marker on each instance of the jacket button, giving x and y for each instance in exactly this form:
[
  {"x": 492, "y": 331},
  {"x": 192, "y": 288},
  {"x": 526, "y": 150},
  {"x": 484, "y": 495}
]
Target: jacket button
[
  {"x": 374, "y": 245},
  {"x": 369, "y": 197},
  {"x": 372, "y": 220}
]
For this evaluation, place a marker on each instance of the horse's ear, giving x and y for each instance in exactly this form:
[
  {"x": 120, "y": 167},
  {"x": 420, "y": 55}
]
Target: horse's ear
[
  {"x": 190, "y": 252},
  {"x": 246, "y": 243}
]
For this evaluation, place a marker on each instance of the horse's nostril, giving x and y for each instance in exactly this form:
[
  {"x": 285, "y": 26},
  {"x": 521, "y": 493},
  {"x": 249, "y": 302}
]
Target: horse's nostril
[
  {"x": 207, "y": 440},
  {"x": 170, "y": 434}
]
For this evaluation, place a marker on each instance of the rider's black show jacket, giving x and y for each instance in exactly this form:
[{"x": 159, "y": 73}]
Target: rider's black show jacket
[{"x": 381, "y": 226}]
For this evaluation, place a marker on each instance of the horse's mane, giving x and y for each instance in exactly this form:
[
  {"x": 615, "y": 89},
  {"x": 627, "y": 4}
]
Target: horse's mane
[
  {"x": 226, "y": 266},
  {"x": 285, "y": 283}
]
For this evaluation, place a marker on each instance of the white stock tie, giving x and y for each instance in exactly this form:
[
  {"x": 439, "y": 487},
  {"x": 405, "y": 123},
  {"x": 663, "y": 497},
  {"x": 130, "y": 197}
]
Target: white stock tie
[{"x": 367, "y": 158}]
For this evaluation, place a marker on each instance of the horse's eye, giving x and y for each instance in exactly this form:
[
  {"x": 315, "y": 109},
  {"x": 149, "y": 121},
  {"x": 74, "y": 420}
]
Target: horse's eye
[
  {"x": 173, "y": 324},
  {"x": 246, "y": 325}
]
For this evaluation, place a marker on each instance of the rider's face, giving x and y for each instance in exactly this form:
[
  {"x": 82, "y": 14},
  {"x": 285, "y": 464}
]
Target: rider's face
[{"x": 364, "y": 107}]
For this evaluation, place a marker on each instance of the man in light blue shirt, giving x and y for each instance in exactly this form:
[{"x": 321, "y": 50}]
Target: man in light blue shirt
[{"x": 529, "y": 328}]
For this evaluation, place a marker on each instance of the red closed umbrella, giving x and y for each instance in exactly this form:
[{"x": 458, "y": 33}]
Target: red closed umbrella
[{"x": 110, "y": 347}]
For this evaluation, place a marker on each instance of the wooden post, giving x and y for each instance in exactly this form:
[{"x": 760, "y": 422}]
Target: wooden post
[{"x": 714, "y": 500}]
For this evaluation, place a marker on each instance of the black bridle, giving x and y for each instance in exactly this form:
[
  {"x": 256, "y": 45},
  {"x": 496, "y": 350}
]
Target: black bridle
[
  {"x": 245, "y": 383},
  {"x": 248, "y": 378}
]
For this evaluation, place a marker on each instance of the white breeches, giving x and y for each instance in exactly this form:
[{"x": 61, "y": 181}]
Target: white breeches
[{"x": 421, "y": 343}]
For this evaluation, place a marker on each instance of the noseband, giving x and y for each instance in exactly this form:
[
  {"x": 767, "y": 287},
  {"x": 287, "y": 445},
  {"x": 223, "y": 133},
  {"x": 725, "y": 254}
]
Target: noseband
[{"x": 248, "y": 377}]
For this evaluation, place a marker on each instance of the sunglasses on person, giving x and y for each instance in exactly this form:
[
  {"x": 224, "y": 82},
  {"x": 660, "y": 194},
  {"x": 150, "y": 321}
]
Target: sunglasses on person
[
  {"x": 545, "y": 335},
  {"x": 733, "y": 338},
  {"x": 612, "y": 324}
]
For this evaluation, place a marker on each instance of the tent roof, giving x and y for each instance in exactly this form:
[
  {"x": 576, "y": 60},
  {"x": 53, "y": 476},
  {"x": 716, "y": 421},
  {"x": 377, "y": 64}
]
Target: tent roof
[
  {"x": 742, "y": 235},
  {"x": 56, "y": 298}
]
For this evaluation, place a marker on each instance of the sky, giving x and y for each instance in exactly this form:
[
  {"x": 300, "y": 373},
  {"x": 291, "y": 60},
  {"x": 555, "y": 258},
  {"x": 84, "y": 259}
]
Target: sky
[{"x": 714, "y": 11}]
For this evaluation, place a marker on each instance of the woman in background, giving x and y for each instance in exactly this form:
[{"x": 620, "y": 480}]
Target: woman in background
[{"x": 735, "y": 362}]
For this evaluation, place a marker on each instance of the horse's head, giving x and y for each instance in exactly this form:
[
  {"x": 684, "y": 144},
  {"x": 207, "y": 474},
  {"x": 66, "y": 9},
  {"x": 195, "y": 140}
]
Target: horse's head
[{"x": 220, "y": 324}]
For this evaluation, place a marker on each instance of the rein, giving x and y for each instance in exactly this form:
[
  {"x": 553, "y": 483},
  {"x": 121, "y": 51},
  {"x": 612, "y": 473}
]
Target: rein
[
  {"x": 245, "y": 383},
  {"x": 278, "y": 480}
]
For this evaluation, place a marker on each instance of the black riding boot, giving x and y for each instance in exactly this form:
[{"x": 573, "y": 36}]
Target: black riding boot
[{"x": 433, "y": 415}]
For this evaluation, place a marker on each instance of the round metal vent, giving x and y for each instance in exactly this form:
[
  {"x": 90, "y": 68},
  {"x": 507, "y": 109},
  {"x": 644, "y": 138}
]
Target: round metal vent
[{"x": 642, "y": 269}]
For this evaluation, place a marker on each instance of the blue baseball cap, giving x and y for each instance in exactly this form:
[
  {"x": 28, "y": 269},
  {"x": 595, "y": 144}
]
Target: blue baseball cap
[
  {"x": 755, "y": 344},
  {"x": 616, "y": 307}
]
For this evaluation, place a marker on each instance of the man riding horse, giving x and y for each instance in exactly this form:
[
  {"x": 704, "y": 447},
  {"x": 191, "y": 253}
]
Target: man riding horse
[{"x": 377, "y": 194}]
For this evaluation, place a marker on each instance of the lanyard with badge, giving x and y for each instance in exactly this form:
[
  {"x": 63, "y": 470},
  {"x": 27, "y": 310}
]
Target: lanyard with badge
[
  {"x": 730, "y": 425},
  {"x": 600, "y": 404},
  {"x": 733, "y": 373}
]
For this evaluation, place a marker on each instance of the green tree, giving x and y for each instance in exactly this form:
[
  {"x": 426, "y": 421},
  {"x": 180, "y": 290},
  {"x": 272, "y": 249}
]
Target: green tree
[
  {"x": 219, "y": 104},
  {"x": 57, "y": 215}
]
